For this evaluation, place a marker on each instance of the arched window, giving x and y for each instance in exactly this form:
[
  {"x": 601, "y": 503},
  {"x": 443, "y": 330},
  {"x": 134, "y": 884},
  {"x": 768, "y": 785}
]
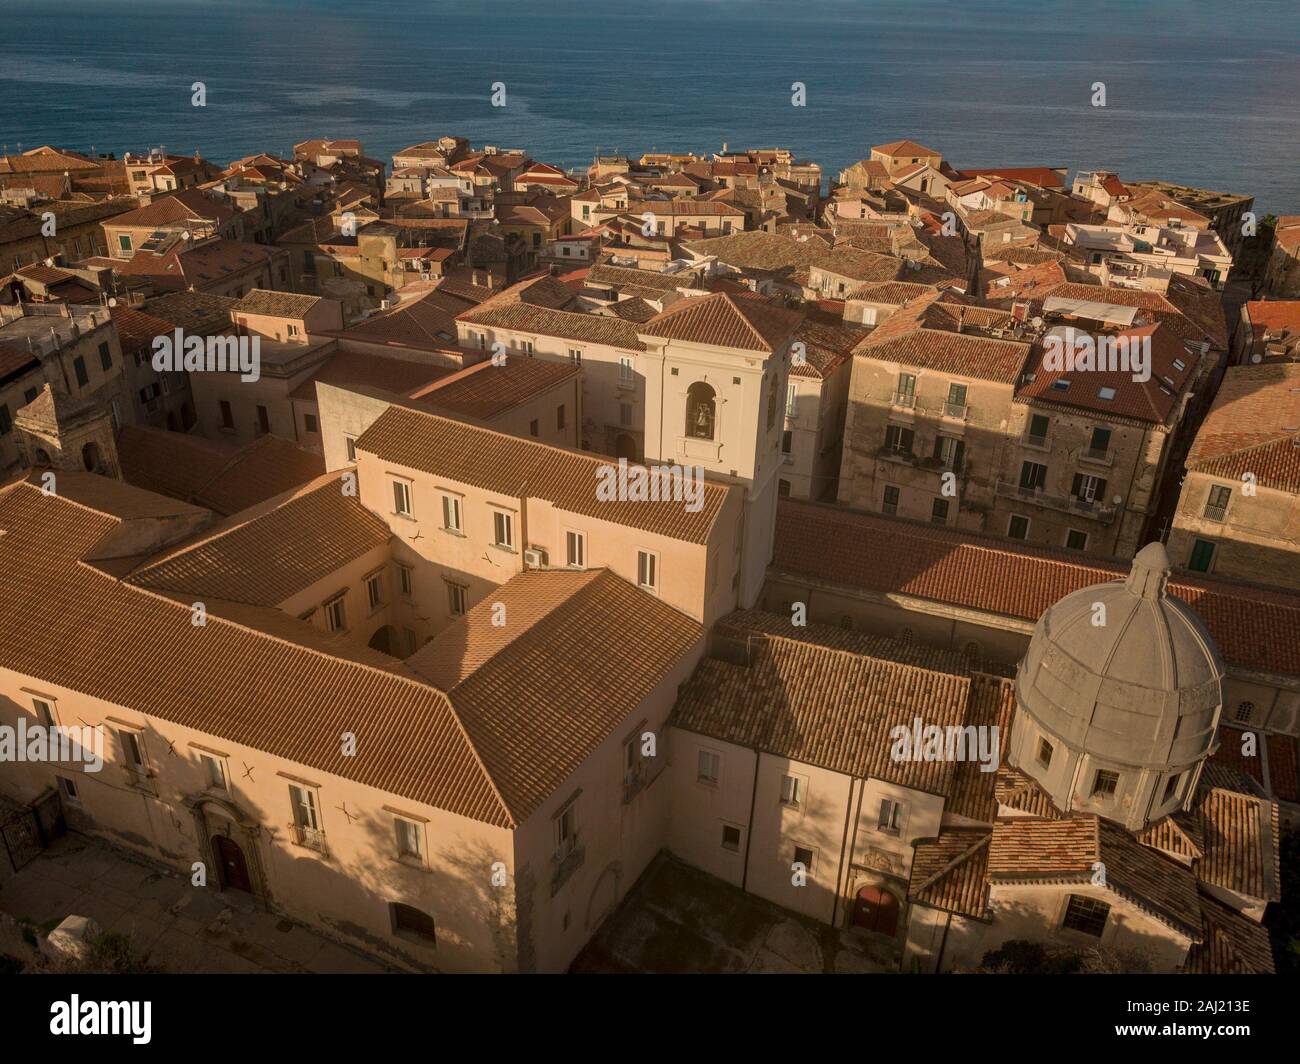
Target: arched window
[
  {"x": 771, "y": 401},
  {"x": 412, "y": 921},
  {"x": 700, "y": 411},
  {"x": 1245, "y": 711}
]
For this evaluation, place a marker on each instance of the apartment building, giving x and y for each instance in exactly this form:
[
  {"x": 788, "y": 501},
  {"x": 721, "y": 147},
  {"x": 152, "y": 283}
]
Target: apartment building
[
  {"x": 1238, "y": 513},
  {"x": 816, "y": 404},
  {"x": 1267, "y": 331},
  {"x": 1282, "y": 274},
  {"x": 1146, "y": 255}
]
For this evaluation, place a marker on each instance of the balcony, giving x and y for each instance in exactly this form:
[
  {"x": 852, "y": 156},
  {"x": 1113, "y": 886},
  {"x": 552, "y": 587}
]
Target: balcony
[
  {"x": 1217, "y": 514},
  {"x": 309, "y": 838},
  {"x": 1064, "y": 503},
  {"x": 1100, "y": 457},
  {"x": 1038, "y": 443},
  {"x": 956, "y": 411},
  {"x": 906, "y": 400}
]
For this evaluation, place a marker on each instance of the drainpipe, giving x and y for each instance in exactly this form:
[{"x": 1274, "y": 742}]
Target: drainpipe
[
  {"x": 749, "y": 830},
  {"x": 938, "y": 962},
  {"x": 844, "y": 845}
]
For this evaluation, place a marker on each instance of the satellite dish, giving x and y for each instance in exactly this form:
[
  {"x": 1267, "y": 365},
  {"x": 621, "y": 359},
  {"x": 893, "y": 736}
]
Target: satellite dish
[
  {"x": 112, "y": 301},
  {"x": 1037, "y": 323},
  {"x": 1117, "y": 499}
]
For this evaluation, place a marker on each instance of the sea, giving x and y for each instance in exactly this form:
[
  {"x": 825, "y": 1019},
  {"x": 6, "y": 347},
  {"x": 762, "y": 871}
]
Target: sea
[{"x": 1195, "y": 91}]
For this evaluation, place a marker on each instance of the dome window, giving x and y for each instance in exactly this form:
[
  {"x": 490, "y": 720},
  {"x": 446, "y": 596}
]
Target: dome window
[
  {"x": 1245, "y": 711},
  {"x": 1105, "y": 783},
  {"x": 1171, "y": 788},
  {"x": 1045, "y": 753}
]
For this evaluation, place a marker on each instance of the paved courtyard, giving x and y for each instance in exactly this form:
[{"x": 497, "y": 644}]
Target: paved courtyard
[
  {"x": 177, "y": 927},
  {"x": 679, "y": 919}
]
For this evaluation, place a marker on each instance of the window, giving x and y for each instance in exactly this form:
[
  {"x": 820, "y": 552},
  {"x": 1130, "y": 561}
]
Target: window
[
  {"x": 791, "y": 791},
  {"x": 1038, "y": 426},
  {"x": 124, "y": 242},
  {"x": 939, "y": 512},
  {"x": 1044, "y": 753},
  {"x": 214, "y": 770},
  {"x": 906, "y": 394},
  {"x": 956, "y": 404},
  {"x": 1087, "y": 915},
  {"x": 1216, "y": 507},
  {"x": 79, "y": 367},
  {"x": 626, "y": 372},
  {"x": 730, "y": 838},
  {"x": 890, "y": 504},
  {"x": 559, "y": 416},
  {"x": 771, "y": 401},
  {"x": 405, "y": 581},
  {"x": 1100, "y": 443},
  {"x": 402, "y": 498},
  {"x": 457, "y": 598},
  {"x": 375, "y": 590},
  {"x": 45, "y": 712},
  {"x": 575, "y": 356},
  {"x": 105, "y": 356},
  {"x": 708, "y": 767},
  {"x": 1033, "y": 476},
  {"x": 503, "y": 529},
  {"x": 804, "y": 856},
  {"x": 1106, "y": 393},
  {"x": 411, "y": 921},
  {"x": 1104, "y": 783},
  {"x": 309, "y": 423},
  {"x": 1018, "y": 527},
  {"x": 890, "y": 820},
  {"x": 408, "y": 838},
  {"x": 1087, "y": 488},
  {"x": 1244, "y": 712},
  {"x": 625, "y": 413},
  {"x": 700, "y": 411},
  {"x": 302, "y": 801},
  {"x": 566, "y": 830},
  {"x": 791, "y": 400},
  {"x": 575, "y": 549},
  {"x": 1201, "y": 557},
  {"x": 647, "y": 566},
  {"x": 526, "y": 346},
  {"x": 451, "y": 513},
  {"x": 949, "y": 451},
  {"x": 132, "y": 750},
  {"x": 69, "y": 790},
  {"x": 350, "y": 442},
  {"x": 783, "y": 489},
  {"x": 787, "y": 441},
  {"x": 534, "y": 428},
  {"x": 1171, "y": 788},
  {"x": 899, "y": 439},
  {"x": 336, "y": 615},
  {"x": 263, "y": 420},
  {"x": 1076, "y": 540}
]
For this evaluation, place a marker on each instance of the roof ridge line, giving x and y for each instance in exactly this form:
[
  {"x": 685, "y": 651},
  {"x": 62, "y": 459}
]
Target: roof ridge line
[{"x": 983, "y": 840}]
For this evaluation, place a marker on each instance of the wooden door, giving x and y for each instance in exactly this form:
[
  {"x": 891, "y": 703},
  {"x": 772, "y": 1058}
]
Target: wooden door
[
  {"x": 234, "y": 869},
  {"x": 876, "y": 910}
]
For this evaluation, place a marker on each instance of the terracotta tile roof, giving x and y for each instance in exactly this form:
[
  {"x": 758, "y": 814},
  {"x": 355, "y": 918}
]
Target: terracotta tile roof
[
  {"x": 16, "y": 361},
  {"x": 1144, "y": 400},
  {"x": 276, "y": 304},
  {"x": 1241, "y": 851},
  {"x": 191, "y": 204},
  {"x": 724, "y": 320},
  {"x": 485, "y": 391},
  {"x": 1254, "y": 627},
  {"x": 533, "y": 306},
  {"x": 1042, "y": 176},
  {"x": 802, "y": 699},
  {"x": 827, "y": 346},
  {"x": 201, "y": 313},
  {"x": 70, "y": 625},
  {"x": 771, "y": 253},
  {"x": 267, "y": 554},
  {"x": 1283, "y": 756},
  {"x": 604, "y": 274},
  {"x": 951, "y": 872},
  {"x": 1029, "y": 850},
  {"x": 962, "y": 354},
  {"x": 355, "y": 369},
  {"x": 516, "y": 467},
  {"x": 1194, "y": 312},
  {"x": 136, "y": 329},
  {"x": 427, "y": 322},
  {"x": 1274, "y": 315},
  {"x": 903, "y": 147},
  {"x": 974, "y": 791},
  {"x": 634, "y": 310},
  {"x": 1179, "y": 834},
  {"x": 1014, "y": 790},
  {"x": 1019, "y": 283},
  {"x": 1253, "y": 426},
  {"x": 1231, "y": 944},
  {"x": 539, "y": 694},
  {"x": 893, "y": 293}
]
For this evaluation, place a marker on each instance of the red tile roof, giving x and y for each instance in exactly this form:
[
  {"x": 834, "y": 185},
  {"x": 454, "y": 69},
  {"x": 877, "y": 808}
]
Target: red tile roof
[
  {"x": 1253, "y": 427},
  {"x": 725, "y": 320}
]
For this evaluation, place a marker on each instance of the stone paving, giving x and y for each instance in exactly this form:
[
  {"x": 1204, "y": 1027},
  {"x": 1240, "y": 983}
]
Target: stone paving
[
  {"x": 679, "y": 919},
  {"x": 177, "y": 927}
]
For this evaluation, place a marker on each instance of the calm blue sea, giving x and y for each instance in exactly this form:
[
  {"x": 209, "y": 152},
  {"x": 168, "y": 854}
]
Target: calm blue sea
[{"x": 1198, "y": 91}]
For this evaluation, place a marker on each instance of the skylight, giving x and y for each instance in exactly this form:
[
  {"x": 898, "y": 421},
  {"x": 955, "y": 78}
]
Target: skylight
[
  {"x": 1106, "y": 393},
  {"x": 1061, "y": 385}
]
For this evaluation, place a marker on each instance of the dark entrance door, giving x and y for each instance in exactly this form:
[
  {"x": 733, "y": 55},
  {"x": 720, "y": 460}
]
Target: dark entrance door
[
  {"x": 876, "y": 910},
  {"x": 234, "y": 869}
]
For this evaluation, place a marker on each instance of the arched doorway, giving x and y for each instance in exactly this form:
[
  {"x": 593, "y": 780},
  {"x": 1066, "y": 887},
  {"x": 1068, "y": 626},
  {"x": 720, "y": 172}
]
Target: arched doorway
[
  {"x": 231, "y": 865},
  {"x": 700, "y": 411},
  {"x": 385, "y": 640},
  {"x": 876, "y": 910},
  {"x": 625, "y": 447}
]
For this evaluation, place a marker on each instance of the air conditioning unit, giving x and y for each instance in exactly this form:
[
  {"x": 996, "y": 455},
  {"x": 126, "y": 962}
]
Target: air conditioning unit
[
  {"x": 385, "y": 304},
  {"x": 534, "y": 558},
  {"x": 426, "y": 276}
]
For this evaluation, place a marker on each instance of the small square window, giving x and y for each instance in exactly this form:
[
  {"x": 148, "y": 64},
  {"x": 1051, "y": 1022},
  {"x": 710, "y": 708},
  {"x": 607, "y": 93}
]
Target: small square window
[
  {"x": 647, "y": 570},
  {"x": 402, "y": 498},
  {"x": 1044, "y": 753},
  {"x": 1076, "y": 540},
  {"x": 791, "y": 791},
  {"x": 1087, "y": 915},
  {"x": 1105, "y": 783},
  {"x": 406, "y": 581},
  {"x": 890, "y": 820},
  {"x": 408, "y": 838},
  {"x": 336, "y": 615},
  {"x": 375, "y": 590},
  {"x": 503, "y": 529},
  {"x": 730, "y": 838},
  {"x": 457, "y": 598},
  {"x": 69, "y": 790},
  {"x": 214, "y": 770},
  {"x": 804, "y": 856},
  {"x": 451, "y": 513}
]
